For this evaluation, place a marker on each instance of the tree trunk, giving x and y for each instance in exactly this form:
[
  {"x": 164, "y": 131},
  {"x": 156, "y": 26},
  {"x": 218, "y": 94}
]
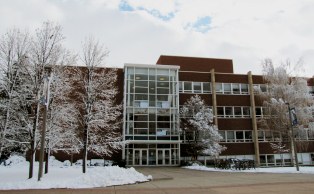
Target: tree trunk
[
  {"x": 47, "y": 160},
  {"x": 85, "y": 149},
  {"x": 33, "y": 143}
]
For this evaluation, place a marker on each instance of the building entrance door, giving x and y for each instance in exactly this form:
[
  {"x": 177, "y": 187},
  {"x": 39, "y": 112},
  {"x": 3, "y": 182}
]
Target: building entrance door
[
  {"x": 163, "y": 157},
  {"x": 140, "y": 157}
]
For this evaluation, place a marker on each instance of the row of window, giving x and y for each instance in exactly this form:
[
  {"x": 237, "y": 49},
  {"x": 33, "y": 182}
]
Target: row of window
[
  {"x": 234, "y": 111},
  {"x": 221, "y": 88},
  {"x": 300, "y": 134},
  {"x": 236, "y": 136}
]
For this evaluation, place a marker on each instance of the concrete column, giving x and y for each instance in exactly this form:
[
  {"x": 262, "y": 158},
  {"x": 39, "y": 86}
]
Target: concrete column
[
  {"x": 254, "y": 122},
  {"x": 214, "y": 99}
]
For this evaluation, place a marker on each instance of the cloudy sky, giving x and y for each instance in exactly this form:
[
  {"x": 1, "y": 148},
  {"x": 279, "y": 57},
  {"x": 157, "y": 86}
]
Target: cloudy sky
[{"x": 139, "y": 31}]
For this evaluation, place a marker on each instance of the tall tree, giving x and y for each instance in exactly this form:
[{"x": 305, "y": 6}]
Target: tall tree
[
  {"x": 61, "y": 114},
  {"x": 46, "y": 52},
  {"x": 285, "y": 91},
  {"x": 14, "y": 47},
  {"x": 197, "y": 120},
  {"x": 95, "y": 94}
]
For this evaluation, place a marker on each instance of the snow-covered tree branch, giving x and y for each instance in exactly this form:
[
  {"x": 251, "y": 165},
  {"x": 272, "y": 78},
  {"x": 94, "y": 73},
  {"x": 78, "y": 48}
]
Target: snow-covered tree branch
[{"x": 197, "y": 120}]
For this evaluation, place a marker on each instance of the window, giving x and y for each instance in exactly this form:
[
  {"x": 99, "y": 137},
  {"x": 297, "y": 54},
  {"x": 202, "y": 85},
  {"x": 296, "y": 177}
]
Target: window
[
  {"x": 219, "y": 89},
  {"x": 188, "y": 87},
  {"x": 223, "y": 135},
  {"x": 229, "y": 112},
  {"x": 261, "y": 136},
  {"x": 236, "y": 136},
  {"x": 244, "y": 89},
  {"x": 258, "y": 111},
  {"x": 230, "y": 136},
  {"x": 206, "y": 87},
  {"x": 194, "y": 87},
  {"x": 246, "y": 111},
  {"x": 237, "y": 111},
  {"x": 248, "y": 136},
  {"x": 236, "y": 88},
  {"x": 197, "y": 87},
  {"x": 239, "y": 136},
  {"x": 227, "y": 88},
  {"x": 220, "y": 112}
]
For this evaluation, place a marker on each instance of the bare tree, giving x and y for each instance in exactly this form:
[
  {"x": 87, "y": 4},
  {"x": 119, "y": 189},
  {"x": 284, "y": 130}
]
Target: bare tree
[
  {"x": 95, "y": 94},
  {"x": 197, "y": 121},
  {"x": 279, "y": 148},
  {"x": 284, "y": 92},
  {"x": 46, "y": 52}
]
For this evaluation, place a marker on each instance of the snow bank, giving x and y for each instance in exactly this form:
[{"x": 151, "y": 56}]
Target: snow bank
[
  {"x": 304, "y": 170},
  {"x": 60, "y": 175}
]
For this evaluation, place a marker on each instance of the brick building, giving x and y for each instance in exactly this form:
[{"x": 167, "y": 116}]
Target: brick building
[{"x": 153, "y": 94}]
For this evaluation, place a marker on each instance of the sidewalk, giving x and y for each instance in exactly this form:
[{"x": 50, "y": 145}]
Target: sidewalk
[{"x": 175, "y": 180}]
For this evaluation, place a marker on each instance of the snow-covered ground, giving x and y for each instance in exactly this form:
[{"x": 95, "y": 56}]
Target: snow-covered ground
[
  {"x": 15, "y": 176},
  {"x": 306, "y": 170}
]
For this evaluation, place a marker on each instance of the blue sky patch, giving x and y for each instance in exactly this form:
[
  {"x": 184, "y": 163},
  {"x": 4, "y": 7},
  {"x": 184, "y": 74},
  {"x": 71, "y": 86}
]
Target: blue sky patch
[
  {"x": 157, "y": 14},
  {"x": 125, "y": 6},
  {"x": 202, "y": 24}
]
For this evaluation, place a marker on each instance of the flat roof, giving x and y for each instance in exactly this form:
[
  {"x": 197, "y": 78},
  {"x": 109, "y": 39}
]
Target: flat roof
[{"x": 152, "y": 66}]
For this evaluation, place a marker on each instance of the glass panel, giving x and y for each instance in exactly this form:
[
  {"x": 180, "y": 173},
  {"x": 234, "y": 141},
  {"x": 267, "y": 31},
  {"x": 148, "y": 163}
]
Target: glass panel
[
  {"x": 162, "y": 90},
  {"x": 141, "y": 70},
  {"x": 263, "y": 87},
  {"x": 227, "y": 88},
  {"x": 160, "y": 157},
  {"x": 162, "y": 71},
  {"x": 152, "y": 100},
  {"x": 238, "y": 111},
  {"x": 197, "y": 87},
  {"x": 187, "y": 86},
  {"x": 235, "y": 88},
  {"x": 244, "y": 89},
  {"x": 239, "y": 136},
  {"x": 268, "y": 136},
  {"x": 152, "y": 87},
  {"x": 136, "y": 157},
  {"x": 219, "y": 88},
  {"x": 220, "y": 111},
  {"x": 163, "y": 84},
  {"x": 206, "y": 87},
  {"x": 141, "y": 97},
  {"x": 262, "y": 159},
  {"x": 258, "y": 111},
  {"x": 141, "y": 90},
  {"x": 270, "y": 159},
  {"x": 222, "y": 134},
  {"x": 167, "y": 157},
  {"x": 246, "y": 111},
  {"x": 152, "y": 128},
  {"x": 230, "y": 136},
  {"x": 152, "y": 157},
  {"x": 248, "y": 135},
  {"x": 180, "y": 87},
  {"x": 152, "y": 73},
  {"x": 261, "y": 136},
  {"x": 174, "y": 156},
  {"x": 144, "y": 157},
  {"x": 228, "y": 112}
]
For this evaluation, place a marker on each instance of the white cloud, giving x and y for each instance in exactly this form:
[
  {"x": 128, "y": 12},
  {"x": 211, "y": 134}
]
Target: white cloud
[{"x": 243, "y": 30}]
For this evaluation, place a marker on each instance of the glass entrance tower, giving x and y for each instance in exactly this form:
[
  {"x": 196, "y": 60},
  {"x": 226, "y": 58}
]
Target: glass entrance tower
[{"x": 151, "y": 115}]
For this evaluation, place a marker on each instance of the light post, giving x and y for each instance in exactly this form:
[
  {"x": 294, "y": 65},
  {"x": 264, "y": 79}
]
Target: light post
[
  {"x": 293, "y": 122},
  {"x": 45, "y": 102}
]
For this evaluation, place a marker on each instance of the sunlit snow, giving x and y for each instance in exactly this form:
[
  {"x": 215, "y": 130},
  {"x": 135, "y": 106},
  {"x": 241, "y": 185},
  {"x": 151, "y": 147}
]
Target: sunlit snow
[
  {"x": 303, "y": 169},
  {"x": 15, "y": 176}
]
